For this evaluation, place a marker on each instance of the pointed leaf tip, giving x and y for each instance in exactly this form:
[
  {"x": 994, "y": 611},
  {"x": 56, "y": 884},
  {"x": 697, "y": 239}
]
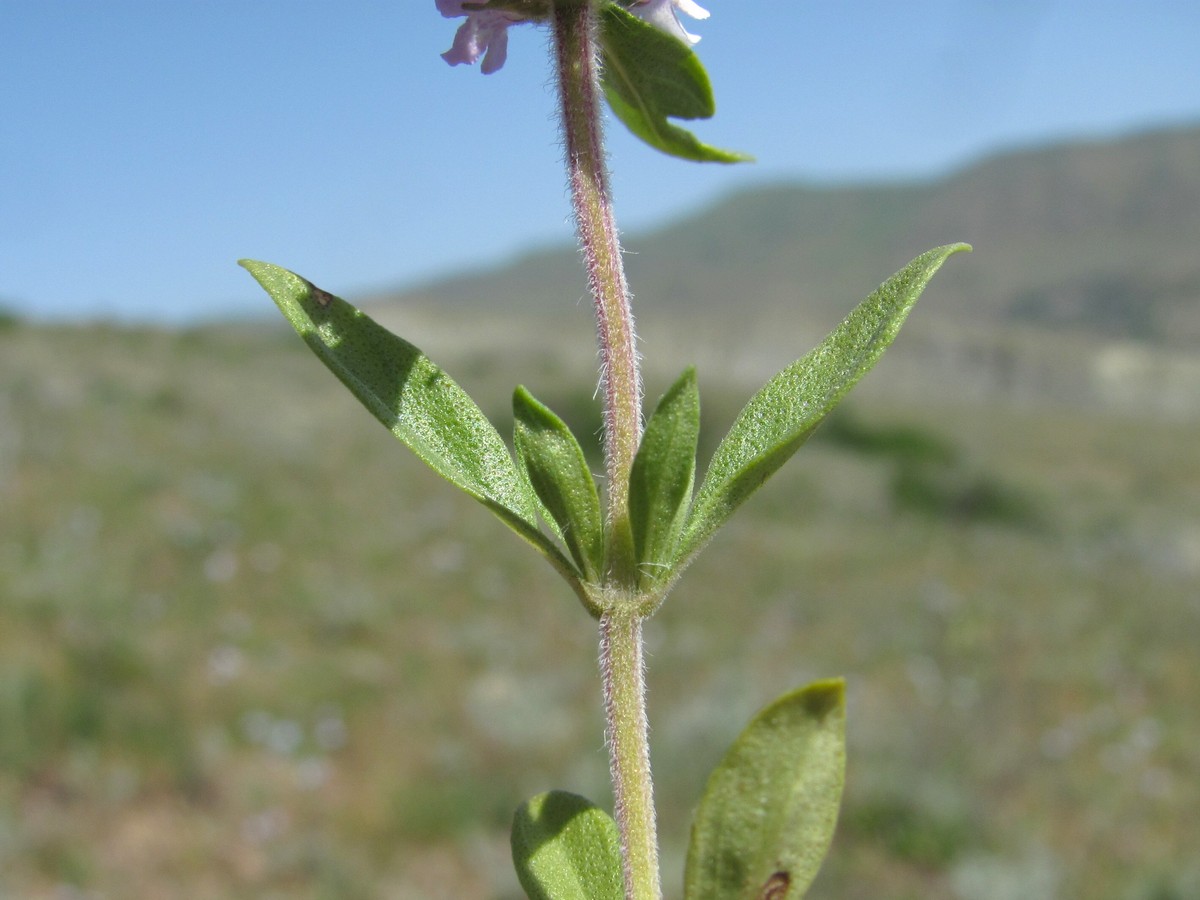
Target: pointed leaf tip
[
  {"x": 415, "y": 399},
  {"x": 781, "y": 417},
  {"x": 557, "y": 470}
]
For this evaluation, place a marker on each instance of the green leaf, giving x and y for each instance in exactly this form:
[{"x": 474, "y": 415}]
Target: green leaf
[
  {"x": 648, "y": 76},
  {"x": 660, "y": 482},
  {"x": 566, "y": 848},
  {"x": 782, "y": 416},
  {"x": 769, "y": 809},
  {"x": 560, "y": 477},
  {"x": 417, "y": 401}
]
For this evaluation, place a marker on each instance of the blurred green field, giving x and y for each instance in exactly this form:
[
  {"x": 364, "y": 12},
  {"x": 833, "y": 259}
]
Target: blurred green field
[{"x": 249, "y": 648}]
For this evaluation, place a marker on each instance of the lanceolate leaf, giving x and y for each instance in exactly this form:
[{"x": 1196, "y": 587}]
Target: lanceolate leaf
[
  {"x": 769, "y": 809},
  {"x": 781, "y": 416},
  {"x": 566, "y": 848},
  {"x": 560, "y": 477},
  {"x": 660, "y": 483},
  {"x": 417, "y": 401},
  {"x": 648, "y": 76}
]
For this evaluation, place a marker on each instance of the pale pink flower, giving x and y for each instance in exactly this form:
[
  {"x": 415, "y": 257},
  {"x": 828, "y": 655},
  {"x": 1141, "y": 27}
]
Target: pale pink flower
[
  {"x": 485, "y": 33},
  {"x": 664, "y": 15}
]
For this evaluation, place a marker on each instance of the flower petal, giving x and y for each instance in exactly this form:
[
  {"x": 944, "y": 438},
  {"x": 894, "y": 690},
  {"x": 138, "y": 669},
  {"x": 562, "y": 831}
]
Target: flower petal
[
  {"x": 695, "y": 10},
  {"x": 497, "y": 52},
  {"x": 664, "y": 15},
  {"x": 485, "y": 33}
]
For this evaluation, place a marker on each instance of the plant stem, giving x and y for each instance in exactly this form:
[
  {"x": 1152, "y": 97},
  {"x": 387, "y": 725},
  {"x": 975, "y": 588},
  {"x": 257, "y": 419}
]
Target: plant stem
[
  {"x": 579, "y": 94},
  {"x": 629, "y": 751},
  {"x": 576, "y": 58}
]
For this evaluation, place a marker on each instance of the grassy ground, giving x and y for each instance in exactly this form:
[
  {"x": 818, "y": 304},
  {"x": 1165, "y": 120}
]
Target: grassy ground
[{"x": 250, "y": 648}]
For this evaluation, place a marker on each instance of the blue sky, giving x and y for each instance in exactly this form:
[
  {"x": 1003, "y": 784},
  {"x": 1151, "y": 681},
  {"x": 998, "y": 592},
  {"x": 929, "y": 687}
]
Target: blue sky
[{"x": 145, "y": 145}]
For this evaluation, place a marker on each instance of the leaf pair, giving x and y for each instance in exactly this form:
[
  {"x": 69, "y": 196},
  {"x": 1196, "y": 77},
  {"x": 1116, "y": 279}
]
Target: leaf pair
[
  {"x": 660, "y": 482},
  {"x": 763, "y": 826},
  {"x": 429, "y": 412},
  {"x": 669, "y": 528}
]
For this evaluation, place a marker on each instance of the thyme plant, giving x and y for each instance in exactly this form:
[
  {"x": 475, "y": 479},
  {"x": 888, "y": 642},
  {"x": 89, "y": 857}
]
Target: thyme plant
[{"x": 767, "y": 815}]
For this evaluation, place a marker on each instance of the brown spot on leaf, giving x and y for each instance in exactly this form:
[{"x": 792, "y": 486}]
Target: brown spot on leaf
[
  {"x": 776, "y": 887},
  {"x": 322, "y": 298}
]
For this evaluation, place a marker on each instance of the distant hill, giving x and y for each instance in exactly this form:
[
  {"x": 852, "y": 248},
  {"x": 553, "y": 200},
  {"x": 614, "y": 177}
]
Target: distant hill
[{"x": 1093, "y": 238}]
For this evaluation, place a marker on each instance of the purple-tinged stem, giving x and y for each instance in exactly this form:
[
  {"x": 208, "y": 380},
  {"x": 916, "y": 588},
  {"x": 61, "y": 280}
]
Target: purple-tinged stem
[{"x": 579, "y": 94}]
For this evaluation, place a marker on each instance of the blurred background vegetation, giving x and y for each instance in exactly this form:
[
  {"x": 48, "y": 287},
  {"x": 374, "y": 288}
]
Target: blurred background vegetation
[{"x": 249, "y": 647}]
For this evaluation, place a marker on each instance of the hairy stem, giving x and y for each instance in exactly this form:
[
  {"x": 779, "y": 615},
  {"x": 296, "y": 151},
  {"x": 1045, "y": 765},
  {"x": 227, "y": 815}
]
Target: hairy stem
[
  {"x": 629, "y": 751},
  {"x": 576, "y": 58},
  {"x": 579, "y": 94}
]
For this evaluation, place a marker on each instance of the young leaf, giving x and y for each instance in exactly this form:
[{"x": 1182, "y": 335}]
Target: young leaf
[
  {"x": 781, "y": 416},
  {"x": 566, "y": 848},
  {"x": 660, "y": 483},
  {"x": 647, "y": 75},
  {"x": 417, "y": 401},
  {"x": 560, "y": 477},
  {"x": 769, "y": 809}
]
